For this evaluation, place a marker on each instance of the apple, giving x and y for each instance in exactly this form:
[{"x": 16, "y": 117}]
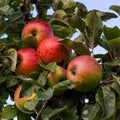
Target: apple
[
  {"x": 50, "y": 50},
  {"x": 58, "y": 75},
  {"x": 85, "y": 73},
  {"x": 20, "y": 101},
  {"x": 35, "y": 31},
  {"x": 28, "y": 61}
]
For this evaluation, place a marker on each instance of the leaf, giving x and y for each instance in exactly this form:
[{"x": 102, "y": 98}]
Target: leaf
[
  {"x": 94, "y": 27},
  {"x": 23, "y": 116},
  {"x": 45, "y": 95},
  {"x": 111, "y": 32},
  {"x": 106, "y": 98},
  {"x": 62, "y": 86},
  {"x": 79, "y": 48},
  {"x": 30, "y": 105},
  {"x": 48, "y": 112},
  {"x": 90, "y": 112},
  {"x": 42, "y": 78},
  {"x": 70, "y": 113},
  {"x": 77, "y": 22},
  {"x": 12, "y": 55},
  {"x": 9, "y": 112},
  {"x": 106, "y": 15},
  {"x": 115, "y": 8},
  {"x": 62, "y": 31},
  {"x": 4, "y": 8},
  {"x": 107, "y": 46},
  {"x": 2, "y": 79},
  {"x": 116, "y": 43},
  {"x": 50, "y": 66},
  {"x": 59, "y": 14}
]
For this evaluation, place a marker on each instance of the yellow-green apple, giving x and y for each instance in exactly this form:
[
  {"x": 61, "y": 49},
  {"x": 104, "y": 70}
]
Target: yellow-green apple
[
  {"x": 58, "y": 75},
  {"x": 36, "y": 31},
  {"x": 20, "y": 101},
  {"x": 85, "y": 73},
  {"x": 28, "y": 61},
  {"x": 50, "y": 50}
]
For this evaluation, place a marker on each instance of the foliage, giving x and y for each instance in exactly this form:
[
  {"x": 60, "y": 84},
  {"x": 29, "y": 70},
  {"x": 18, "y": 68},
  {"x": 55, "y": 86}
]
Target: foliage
[{"x": 68, "y": 17}]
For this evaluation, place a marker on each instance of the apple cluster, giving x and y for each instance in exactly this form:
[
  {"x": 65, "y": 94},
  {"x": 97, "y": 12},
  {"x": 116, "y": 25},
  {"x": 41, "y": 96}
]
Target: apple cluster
[{"x": 42, "y": 46}]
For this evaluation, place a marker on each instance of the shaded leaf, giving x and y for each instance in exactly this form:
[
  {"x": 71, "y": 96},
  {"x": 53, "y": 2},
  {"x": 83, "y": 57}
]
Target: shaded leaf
[
  {"x": 90, "y": 112},
  {"x": 79, "y": 48},
  {"x": 94, "y": 27},
  {"x": 77, "y": 22},
  {"x": 111, "y": 32},
  {"x": 106, "y": 98},
  {"x": 50, "y": 66},
  {"x": 48, "y": 112},
  {"x": 30, "y": 105},
  {"x": 45, "y": 95},
  {"x": 42, "y": 78}
]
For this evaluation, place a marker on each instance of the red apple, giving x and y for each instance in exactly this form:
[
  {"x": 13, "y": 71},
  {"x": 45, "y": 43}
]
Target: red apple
[
  {"x": 85, "y": 73},
  {"x": 50, "y": 50},
  {"x": 20, "y": 101},
  {"x": 36, "y": 31},
  {"x": 28, "y": 61},
  {"x": 58, "y": 75}
]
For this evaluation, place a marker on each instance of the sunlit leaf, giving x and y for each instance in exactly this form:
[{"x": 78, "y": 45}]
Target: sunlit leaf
[
  {"x": 9, "y": 112},
  {"x": 116, "y": 8}
]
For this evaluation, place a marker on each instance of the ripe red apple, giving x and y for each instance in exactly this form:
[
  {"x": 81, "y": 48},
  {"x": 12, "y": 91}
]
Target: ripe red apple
[
  {"x": 28, "y": 61},
  {"x": 36, "y": 31},
  {"x": 85, "y": 72},
  {"x": 20, "y": 101},
  {"x": 50, "y": 50},
  {"x": 58, "y": 75}
]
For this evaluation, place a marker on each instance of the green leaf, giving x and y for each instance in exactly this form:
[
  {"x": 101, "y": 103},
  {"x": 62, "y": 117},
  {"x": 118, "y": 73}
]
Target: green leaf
[
  {"x": 2, "y": 79},
  {"x": 9, "y": 112},
  {"x": 106, "y": 15},
  {"x": 30, "y": 105},
  {"x": 94, "y": 27},
  {"x": 79, "y": 48},
  {"x": 111, "y": 32},
  {"x": 62, "y": 86},
  {"x": 116, "y": 8},
  {"x": 23, "y": 116},
  {"x": 90, "y": 112},
  {"x": 42, "y": 78},
  {"x": 70, "y": 113},
  {"x": 48, "y": 112},
  {"x": 62, "y": 31},
  {"x": 4, "y": 8},
  {"x": 77, "y": 22},
  {"x": 106, "y": 98},
  {"x": 45, "y": 95},
  {"x": 50, "y": 66},
  {"x": 116, "y": 43}
]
